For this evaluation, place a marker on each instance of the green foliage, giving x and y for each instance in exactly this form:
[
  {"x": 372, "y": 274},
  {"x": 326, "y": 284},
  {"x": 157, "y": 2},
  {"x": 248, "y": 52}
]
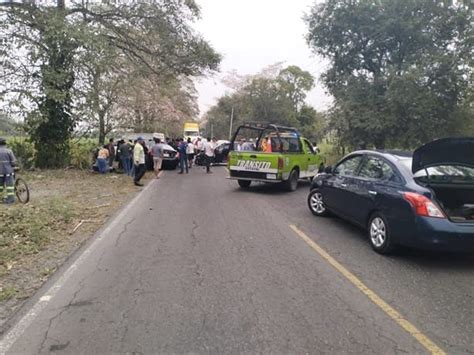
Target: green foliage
[
  {"x": 277, "y": 100},
  {"x": 78, "y": 57},
  {"x": 24, "y": 152},
  {"x": 399, "y": 69},
  {"x": 7, "y": 126},
  {"x": 81, "y": 153}
]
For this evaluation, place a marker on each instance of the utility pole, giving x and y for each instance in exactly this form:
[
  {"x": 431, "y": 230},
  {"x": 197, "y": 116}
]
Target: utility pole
[
  {"x": 231, "y": 122},
  {"x": 212, "y": 130}
]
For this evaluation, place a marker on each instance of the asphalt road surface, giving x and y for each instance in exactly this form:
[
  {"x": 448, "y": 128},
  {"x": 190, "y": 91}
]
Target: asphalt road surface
[{"x": 197, "y": 265}]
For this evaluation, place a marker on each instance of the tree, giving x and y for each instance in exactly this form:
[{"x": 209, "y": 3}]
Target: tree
[
  {"x": 296, "y": 82},
  {"x": 399, "y": 69},
  {"x": 273, "y": 96},
  {"x": 154, "y": 36}
]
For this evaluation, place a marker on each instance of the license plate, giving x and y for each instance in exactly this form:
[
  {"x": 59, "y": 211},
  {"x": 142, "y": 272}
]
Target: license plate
[
  {"x": 271, "y": 176},
  {"x": 166, "y": 155}
]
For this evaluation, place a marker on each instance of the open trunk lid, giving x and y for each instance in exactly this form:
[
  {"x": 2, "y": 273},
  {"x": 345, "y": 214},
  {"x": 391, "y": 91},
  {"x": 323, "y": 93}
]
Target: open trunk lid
[{"x": 446, "y": 151}]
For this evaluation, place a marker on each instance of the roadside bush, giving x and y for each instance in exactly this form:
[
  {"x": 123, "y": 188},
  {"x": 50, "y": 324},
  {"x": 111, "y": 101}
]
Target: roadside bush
[
  {"x": 24, "y": 152},
  {"x": 330, "y": 152},
  {"x": 81, "y": 153}
]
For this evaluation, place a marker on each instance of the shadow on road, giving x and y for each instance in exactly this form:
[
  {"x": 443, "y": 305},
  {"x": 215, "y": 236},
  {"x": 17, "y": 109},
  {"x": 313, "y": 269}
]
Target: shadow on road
[
  {"x": 271, "y": 188},
  {"x": 421, "y": 258}
]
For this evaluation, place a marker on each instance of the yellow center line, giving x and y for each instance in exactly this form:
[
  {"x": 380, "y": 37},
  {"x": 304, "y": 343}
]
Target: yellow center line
[{"x": 389, "y": 310}]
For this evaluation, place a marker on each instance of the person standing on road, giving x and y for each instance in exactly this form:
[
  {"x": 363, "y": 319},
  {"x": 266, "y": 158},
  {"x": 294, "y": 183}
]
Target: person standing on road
[
  {"x": 209, "y": 147},
  {"x": 102, "y": 159},
  {"x": 111, "y": 148},
  {"x": 139, "y": 161},
  {"x": 7, "y": 168},
  {"x": 183, "y": 159},
  {"x": 190, "y": 153},
  {"x": 198, "y": 145},
  {"x": 157, "y": 151},
  {"x": 125, "y": 157}
]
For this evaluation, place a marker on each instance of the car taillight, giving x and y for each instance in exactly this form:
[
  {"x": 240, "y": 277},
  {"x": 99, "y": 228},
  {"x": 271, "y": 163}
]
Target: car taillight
[
  {"x": 423, "y": 206},
  {"x": 281, "y": 163}
]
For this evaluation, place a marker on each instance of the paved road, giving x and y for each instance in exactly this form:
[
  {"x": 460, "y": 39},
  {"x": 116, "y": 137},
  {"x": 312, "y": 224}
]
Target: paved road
[{"x": 197, "y": 265}]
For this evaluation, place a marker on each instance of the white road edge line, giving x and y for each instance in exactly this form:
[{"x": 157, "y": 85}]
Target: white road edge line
[{"x": 20, "y": 327}]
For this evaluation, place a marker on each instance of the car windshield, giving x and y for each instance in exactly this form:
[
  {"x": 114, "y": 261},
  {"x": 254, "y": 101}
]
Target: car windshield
[{"x": 454, "y": 174}]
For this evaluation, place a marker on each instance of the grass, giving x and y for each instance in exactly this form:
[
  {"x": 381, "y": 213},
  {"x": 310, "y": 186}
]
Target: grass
[
  {"x": 7, "y": 293},
  {"x": 27, "y": 229},
  {"x": 66, "y": 208}
]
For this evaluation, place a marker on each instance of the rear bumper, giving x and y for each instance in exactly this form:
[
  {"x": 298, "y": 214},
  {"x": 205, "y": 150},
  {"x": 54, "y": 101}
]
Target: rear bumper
[
  {"x": 252, "y": 179},
  {"x": 254, "y": 176},
  {"x": 440, "y": 234}
]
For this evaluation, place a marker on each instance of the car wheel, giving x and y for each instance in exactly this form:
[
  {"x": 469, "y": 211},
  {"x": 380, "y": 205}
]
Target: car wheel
[
  {"x": 245, "y": 184},
  {"x": 292, "y": 183},
  {"x": 316, "y": 203},
  {"x": 379, "y": 234}
]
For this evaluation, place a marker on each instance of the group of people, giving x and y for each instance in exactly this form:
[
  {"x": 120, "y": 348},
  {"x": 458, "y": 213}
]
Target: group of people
[
  {"x": 188, "y": 151},
  {"x": 132, "y": 155}
]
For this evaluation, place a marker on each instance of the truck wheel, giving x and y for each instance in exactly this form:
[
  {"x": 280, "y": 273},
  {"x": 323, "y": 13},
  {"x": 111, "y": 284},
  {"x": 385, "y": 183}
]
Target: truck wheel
[
  {"x": 244, "y": 183},
  {"x": 292, "y": 183}
]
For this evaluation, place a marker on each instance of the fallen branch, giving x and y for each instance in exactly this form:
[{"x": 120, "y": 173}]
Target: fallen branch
[{"x": 81, "y": 223}]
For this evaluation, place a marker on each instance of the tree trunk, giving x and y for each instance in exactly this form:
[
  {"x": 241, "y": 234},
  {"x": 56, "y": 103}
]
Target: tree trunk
[{"x": 101, "y": 128}]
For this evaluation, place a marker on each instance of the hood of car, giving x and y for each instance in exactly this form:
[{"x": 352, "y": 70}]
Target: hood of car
[
  {"x": 446, "y": 151},
  {"x": 169, "y": 148}
]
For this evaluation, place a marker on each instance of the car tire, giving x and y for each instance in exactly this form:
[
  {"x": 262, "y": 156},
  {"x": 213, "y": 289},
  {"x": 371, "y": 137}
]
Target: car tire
[
  {"x": 245, "y": 184},
  {"x": 316, "y": 203},
  {"x": 380, "y": 237},
  {"x": 292, "y": 183}
]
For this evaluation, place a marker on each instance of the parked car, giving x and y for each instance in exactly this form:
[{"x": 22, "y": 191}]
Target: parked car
[
  {"x": 280, "y": 155},
  {"x": 422, "y": 200},
  {"x": 222, "y": 152},
  {"x": 170, "y": 158}
]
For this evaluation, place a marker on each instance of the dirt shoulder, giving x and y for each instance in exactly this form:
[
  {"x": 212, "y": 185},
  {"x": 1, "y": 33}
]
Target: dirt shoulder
[{"x": 66, "y": 209}]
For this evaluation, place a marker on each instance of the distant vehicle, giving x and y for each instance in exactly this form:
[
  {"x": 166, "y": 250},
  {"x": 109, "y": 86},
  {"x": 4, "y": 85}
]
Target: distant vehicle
[
  {"x": 191, "y": 130},
  {"x": 422, "y": 200},
  {"x": 170, "y": 158},
  {"x": 279, "y": 155},
  {"x": 222, "y": 152}
]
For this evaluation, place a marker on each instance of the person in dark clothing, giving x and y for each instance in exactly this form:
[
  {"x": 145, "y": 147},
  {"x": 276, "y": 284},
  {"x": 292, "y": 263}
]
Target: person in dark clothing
[
  {"x": 131, "y": 145},
  {"x": 183, "y": 158},
  {"x": 111, "y": 148},
  {"x": 124, "y": 151},
  {"x": 7, "y": 166}
]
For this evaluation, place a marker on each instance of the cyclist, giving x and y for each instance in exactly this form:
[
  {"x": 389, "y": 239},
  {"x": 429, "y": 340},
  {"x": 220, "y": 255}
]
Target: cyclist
[{"x": 7, "y": 165}]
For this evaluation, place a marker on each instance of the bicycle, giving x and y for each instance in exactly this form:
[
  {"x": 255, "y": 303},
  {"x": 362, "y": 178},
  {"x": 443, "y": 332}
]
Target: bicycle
[{"x": 22, "y": 191}]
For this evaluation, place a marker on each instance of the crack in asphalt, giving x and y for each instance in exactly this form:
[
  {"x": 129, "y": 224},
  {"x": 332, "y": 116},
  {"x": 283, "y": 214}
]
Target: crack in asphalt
[
  {"x": 125, "y": 228},
  {"x": 57, "y": 316}
]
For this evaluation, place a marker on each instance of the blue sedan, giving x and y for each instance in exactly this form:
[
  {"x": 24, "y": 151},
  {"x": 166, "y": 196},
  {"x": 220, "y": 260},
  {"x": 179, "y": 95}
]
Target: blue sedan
[{"x": 423, "y": 199}]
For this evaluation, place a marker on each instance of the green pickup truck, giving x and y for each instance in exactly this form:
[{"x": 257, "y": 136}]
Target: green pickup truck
[{"x": 273, "y": 154}]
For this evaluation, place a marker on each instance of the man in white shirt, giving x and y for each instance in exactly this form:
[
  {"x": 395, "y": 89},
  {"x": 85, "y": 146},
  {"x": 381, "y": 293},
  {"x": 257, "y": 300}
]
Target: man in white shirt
[
  {"x": 209, "y": 148},
  {"x": 190, "y": 153}
]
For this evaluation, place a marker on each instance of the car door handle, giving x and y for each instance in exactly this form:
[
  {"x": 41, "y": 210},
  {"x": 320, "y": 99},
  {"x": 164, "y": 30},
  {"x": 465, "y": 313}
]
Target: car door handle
[
  {"x": 343, "y": 185},
  {"x": 372, "y": 192}
]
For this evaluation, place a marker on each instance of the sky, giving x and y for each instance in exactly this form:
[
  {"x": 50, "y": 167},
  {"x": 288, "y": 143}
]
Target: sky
[{"x": 252, "y": 34}]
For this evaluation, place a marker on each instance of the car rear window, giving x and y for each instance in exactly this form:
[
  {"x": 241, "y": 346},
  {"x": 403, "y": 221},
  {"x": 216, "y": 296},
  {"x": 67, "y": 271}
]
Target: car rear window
[{"x": 452, "y": 174}]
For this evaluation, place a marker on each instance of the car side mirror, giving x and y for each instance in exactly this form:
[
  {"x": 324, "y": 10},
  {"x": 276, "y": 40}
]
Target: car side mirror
[{"x": 328, "y": 170}]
